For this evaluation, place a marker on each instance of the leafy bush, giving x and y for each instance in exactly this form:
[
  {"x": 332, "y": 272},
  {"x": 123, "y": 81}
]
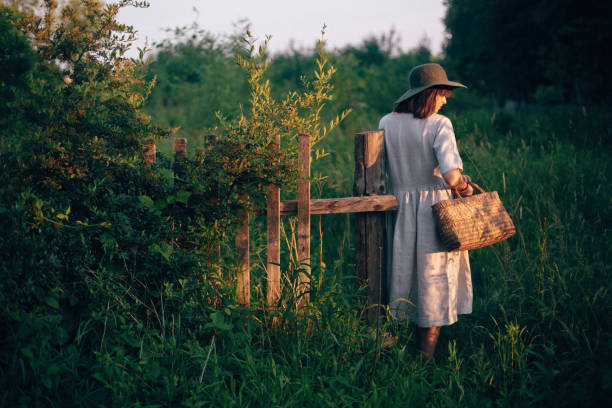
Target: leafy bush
[{"x": 105, "y": 250}]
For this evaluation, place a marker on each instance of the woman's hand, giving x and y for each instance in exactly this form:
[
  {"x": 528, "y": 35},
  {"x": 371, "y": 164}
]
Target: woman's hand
[
  {"x": 459, "y": 182},
  {"x": 468, "y": 190}
]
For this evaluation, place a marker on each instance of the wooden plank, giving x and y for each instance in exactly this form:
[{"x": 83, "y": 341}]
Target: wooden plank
[
  {"x": 359, "y": 182},
  {"x": 374, "y": 157},
  {"x": 243, "y": 289},
  {"x": 273, "y": 236},
  {"x": 361, "y": 235},
  {"x": 360, "y": 239},
  {"x": 375, "y": 269},
  {"x": 219, "y": 260},
  {"x": 149, "y": 152},
  {"x": 303, "y": 215},
  {"x": 179, "y": 146},
  {"x": 370, "y": 226},
  {"x": 343, "y": 205},
  {"x": 211, "y": 140}
]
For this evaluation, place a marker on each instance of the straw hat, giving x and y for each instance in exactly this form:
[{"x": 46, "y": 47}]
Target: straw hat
[{"x": 426, "y": 76}]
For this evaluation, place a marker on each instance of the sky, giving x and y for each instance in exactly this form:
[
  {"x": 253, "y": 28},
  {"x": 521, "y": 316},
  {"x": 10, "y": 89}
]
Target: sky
[{"x": 300, "y": 22}]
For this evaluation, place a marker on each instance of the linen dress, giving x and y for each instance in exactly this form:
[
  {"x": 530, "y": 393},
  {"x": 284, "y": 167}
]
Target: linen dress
[{"x": 427, "y": 284}]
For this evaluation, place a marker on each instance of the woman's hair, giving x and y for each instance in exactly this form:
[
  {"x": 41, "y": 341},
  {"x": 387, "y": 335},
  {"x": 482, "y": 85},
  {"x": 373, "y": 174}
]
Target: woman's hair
[{"x": 423, "y": 104}]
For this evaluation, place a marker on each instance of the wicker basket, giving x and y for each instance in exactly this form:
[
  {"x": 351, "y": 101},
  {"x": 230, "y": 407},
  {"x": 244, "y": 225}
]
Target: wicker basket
[{"x": 472, "y": 222}]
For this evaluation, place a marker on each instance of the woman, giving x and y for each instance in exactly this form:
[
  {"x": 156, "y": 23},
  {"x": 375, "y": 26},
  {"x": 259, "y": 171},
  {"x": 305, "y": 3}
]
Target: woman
[{"x": 427, "y": 284}]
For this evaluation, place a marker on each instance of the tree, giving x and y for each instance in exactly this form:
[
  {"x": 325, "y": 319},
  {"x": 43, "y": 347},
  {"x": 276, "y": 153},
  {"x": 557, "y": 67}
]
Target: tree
[{"x": 513, "y": 47}]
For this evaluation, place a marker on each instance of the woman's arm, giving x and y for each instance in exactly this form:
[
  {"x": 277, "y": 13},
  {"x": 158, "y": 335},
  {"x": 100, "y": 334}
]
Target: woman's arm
[{"x": 459, "y": 182}]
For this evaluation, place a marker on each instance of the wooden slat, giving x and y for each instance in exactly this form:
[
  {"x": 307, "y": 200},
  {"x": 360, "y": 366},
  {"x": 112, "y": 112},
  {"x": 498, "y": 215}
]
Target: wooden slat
[
  {"x": 359, "y": 182},
  {"x": 303, "y": 215},
  {"x": 369, "y": 226},
  {"x": 375, "y": 228},
  {"x": 149, "y": 152},
  {"x": 273, "y": 234},
  {"x": 360, "y": 239},
  {"x": 179, "y": 146},
  {"x": 361, "y": 236},
  {"x": 243, "y": 290},
  {"x": 211, "y": 140},
  {"x": 343, "y": 205},
  {"x": 374, "y": 156}
]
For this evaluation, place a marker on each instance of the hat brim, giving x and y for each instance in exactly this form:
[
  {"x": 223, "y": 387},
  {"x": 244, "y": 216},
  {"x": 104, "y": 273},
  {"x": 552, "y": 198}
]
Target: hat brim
[{"x": 411, "y": 92}]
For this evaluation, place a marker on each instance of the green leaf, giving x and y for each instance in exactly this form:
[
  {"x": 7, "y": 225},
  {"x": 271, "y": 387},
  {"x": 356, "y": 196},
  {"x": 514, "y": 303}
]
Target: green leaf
[
  {"x": 27, "y": 351},
  {"x": 218, "y": 322},
  {"x": 46, "y": 382},
  {"x": 108, "y": 241},
  {"x": 182, "y": 196},
  {"x": 164, "y": 250},
  {"x": 146, "y": 201},
  {"x": 161, "y": 204},
  {"x": 52, "y": 301},
  {"x": 53, "y": 369}
]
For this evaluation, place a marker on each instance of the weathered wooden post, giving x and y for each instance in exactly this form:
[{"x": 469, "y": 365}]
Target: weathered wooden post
[
  {"x": 149, "y": 152},
  {"x": 303, "y": 214},
  {"x": 210, "y": 140},
  {"x": 243, "y": 288},
  {"x": 273, "y": 235},
  {"x": 370, "y": 226},
  {"x": 179, "y": 146}
]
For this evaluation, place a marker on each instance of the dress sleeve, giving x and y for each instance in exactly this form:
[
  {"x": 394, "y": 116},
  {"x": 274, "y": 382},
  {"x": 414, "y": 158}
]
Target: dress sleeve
[
  {"x": 381, "y": 123},
  {"x": 445, "y": 147}
]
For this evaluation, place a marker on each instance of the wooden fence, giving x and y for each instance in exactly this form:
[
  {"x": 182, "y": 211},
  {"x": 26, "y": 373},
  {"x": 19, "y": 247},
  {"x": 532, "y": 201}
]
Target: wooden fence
[{"x": 369, "y": 202}]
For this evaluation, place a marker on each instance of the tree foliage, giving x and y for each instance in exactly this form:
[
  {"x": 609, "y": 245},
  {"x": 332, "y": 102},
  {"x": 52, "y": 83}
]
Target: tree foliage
[
  {"x": 550, "y": 51},
  {"x": 196, "y": 76}
]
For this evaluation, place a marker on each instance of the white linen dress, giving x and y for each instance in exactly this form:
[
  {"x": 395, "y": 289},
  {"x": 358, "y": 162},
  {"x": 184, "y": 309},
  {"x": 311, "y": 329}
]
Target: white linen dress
[{"x": 427, "y": 284}]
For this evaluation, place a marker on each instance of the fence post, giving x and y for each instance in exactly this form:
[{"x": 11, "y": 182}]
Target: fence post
[
  {"x": 210, "y": 140},
  {"x": 179, "y": 147},
  {"x": 370, "y": 227},
  {"x": 273, "y": 235},
  {"x": 149, "y": 152},
  {"x": 243, "y": 288},
  {"x": 303, "y": 215}
]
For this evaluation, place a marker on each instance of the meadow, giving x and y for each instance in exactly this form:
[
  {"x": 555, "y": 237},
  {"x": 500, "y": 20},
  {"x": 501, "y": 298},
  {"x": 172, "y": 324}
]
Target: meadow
[{"x": 114, "y": 296}]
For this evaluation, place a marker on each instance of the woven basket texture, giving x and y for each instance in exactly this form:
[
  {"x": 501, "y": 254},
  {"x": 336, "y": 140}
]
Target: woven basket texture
[{"x": 473, "y": 222}]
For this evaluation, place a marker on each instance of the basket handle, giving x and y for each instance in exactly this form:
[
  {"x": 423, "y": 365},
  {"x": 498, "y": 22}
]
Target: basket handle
[
  {"x": 474, "y": 186},
  {"x": 477, "y": 187}
]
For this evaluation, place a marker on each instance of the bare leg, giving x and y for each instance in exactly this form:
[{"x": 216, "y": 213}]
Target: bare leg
[{"x": 428, "y": 338}]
